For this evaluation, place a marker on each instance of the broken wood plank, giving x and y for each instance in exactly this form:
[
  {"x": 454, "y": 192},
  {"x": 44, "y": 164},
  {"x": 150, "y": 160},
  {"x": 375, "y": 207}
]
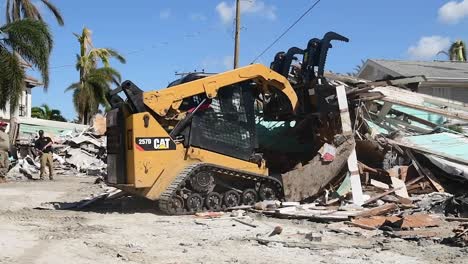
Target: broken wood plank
[
  {"x": 379, "y": 184},
  {"x": 403, "y": 172},
  {"x": 375, "y": 221},
  {"x": 92, "y": 200},
  {"x": 360, "y": 225},
  {"x": 456, "y": 219},
  {"x": 377, "y": 197},
  {"x": 356, "y": 188},
  {"x": 396, "y": 82},
  {"x": 418, "y": 221},
  {"x": 416, "y": 100},
  {"x": 209, "y": 214},
  {"x": 318, "y": 215},
  {"x": 286, "y": 210},
  {"x": 116, "y": 194},
  {"x": 290, "y": 204},
  {"x": 434, "y": 181},
  {"x": 397, "y": 183},
  {"x": 244, "y": 223},
  {"x": 386, "y": 107},
  {"x": 414, "y": 181},
  {"x": 386, "y": 208}
]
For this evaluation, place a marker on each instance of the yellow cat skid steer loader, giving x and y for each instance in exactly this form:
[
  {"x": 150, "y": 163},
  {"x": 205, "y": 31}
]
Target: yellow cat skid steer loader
[{"x": 194, "y": 146}]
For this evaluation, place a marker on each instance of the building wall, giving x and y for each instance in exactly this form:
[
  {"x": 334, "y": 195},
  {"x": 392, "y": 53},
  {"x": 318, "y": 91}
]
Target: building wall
[{"x": 23, "y": 109}]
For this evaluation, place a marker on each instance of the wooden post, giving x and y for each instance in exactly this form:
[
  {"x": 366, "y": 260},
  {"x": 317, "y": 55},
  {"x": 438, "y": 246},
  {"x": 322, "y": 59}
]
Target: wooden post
[
  {"x": 236, "y": 36},
  {"x": 356, "y": 188}
]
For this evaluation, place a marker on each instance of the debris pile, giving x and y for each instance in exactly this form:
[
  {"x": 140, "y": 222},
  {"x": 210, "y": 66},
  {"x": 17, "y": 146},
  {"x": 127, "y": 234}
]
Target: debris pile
[
  {"x": 411, "y": 162},
  {"x": 75, "y": 151}
]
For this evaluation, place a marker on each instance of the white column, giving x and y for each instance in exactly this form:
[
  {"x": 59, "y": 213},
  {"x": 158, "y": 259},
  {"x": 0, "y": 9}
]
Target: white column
[
  {"x": 23, "y": 102},
  {"x": 28, "y": 102}
]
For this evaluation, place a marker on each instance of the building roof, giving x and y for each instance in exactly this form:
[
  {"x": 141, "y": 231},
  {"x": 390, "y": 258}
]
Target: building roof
[
  {"x": 31, "y": 82},
  {"x": 429, "y": 69}
]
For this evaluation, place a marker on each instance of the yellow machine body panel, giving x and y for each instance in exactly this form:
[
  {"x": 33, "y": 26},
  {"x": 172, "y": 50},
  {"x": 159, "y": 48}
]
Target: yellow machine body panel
[
  {"x": 154, "y": 160},
  {"x": 163, "y": 100}
]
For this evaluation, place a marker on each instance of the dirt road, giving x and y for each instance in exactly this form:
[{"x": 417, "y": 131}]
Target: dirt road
[{"x": 131, "y": 231}]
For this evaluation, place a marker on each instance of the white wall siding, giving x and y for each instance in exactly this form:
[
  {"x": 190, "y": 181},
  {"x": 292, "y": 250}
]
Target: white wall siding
[{"x": 459, "y": 94}]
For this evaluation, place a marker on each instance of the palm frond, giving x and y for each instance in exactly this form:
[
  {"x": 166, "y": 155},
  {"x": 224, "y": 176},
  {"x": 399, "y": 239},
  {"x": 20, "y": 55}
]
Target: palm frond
[
  {"x": 7, "y": 11},
  {"x": 16, "y": 12},
  {"x": 26, "y": 9},
  {"x": 11, "y": 79},
  {"x": 33, "y": 42},
  {"x": 55, "y": 11},
  {"x": 29, "y": 10},
  {"x": 73, "y": 87},
  {"x": 116, "y": 55}
]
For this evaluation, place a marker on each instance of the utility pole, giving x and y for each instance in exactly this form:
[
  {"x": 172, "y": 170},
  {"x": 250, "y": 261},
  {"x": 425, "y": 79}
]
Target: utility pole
[{"x": 236, "y": 44}]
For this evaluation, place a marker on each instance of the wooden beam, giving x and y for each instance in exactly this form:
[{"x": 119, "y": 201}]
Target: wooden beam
[
  {"x": 353, "y": 169},
  {"x": 416, "y": 100},
  {"x": 432, "y": 179},
  {"x": 375, "y": 198},
  {"x": 402, "y": 81},
  {"x": 386, "y": 107}
]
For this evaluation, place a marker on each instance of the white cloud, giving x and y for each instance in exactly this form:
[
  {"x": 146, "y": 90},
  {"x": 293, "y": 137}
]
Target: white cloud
[
  {"x": 165, "y": 13},
  {"x": 228, "y": 62},
  {"x": 227, "y": 11},
  {"x": 428, "y": 47},
  {"x": 453, "y": 11},
  {"x": 197, "y": 17}
]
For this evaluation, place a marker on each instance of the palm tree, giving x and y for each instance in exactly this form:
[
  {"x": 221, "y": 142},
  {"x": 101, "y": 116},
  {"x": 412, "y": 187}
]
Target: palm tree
[
  {"x": 32, "y": 41},
  {"x": 22, "y": 9},
  {"x": 45, "y": 112},
  {"x": 456, "y": 52},
  {"x": 89, "y": 93}
]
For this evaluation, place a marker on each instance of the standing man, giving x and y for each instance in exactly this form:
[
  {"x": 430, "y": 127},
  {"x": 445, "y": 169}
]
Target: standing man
[
  {"x": 4, "y": 147},
  {"x": 44, "y": 146}
]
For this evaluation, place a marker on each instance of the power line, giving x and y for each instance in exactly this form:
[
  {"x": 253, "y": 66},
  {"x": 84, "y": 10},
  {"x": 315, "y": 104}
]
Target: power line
[
  {"x": 62, "y": 66},
  {"x": 286, "y": 31}
]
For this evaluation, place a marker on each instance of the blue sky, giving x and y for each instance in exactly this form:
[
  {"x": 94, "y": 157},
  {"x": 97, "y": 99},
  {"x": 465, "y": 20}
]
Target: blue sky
[{"x": 160, "y": 38}]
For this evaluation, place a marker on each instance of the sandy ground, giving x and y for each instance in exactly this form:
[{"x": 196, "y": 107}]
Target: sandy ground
[{"x": 130, "y": 230}]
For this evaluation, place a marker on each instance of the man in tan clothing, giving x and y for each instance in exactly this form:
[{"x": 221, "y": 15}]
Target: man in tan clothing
[
  {"x": 44, "y": 146},
  {"x": 4, "y": 147}
]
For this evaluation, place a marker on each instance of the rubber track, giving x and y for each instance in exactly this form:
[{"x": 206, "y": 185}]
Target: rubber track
[{"x": 165, "y": 199}]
